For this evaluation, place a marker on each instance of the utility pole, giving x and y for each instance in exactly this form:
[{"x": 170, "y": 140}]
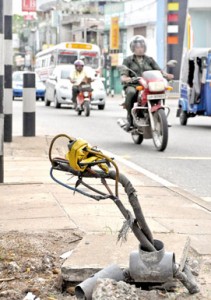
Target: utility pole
[
  {"x": 29, "y": 104},
  {"x": 1, "y": 91},
  {"x": 85, "y": 33},
  {"x": 8, "y": 55},
  {"x": 176, "y": 23}
]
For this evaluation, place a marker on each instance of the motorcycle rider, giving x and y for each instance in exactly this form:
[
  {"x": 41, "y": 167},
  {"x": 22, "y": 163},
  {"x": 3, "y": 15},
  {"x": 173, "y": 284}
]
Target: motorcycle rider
[
  {"x": 138, "y": 63},
  {"x": 76, "y": 77}
]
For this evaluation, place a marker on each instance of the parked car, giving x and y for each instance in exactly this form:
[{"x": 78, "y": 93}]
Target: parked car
[
  {"x": 59, "y": 87},
  {"x": 17, "y": 85}
]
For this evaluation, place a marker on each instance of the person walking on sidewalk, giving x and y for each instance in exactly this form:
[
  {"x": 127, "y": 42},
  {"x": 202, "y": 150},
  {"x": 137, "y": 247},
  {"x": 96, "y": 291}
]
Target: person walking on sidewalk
[{"x": 138, "y": 63}]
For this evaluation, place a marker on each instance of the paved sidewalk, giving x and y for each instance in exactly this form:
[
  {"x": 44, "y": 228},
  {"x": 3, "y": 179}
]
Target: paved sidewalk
[
  {"x": 31, "y": 200},
  {"x": 29, "y": 194}
]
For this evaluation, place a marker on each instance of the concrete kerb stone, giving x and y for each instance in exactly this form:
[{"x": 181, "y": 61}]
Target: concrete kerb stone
[{"x": 192, "y": 198}]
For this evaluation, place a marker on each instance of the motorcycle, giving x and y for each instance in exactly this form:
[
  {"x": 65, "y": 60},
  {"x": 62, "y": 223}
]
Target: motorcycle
[
  {"x": 149, "y": 112},
  {"x": 83, "y": 100}
]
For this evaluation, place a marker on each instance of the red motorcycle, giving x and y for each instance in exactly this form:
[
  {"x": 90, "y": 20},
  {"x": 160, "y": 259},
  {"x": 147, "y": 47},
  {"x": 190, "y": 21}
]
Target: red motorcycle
[
  {"x": 150, "y": 112},
  {"x": 84, "y": 98}
]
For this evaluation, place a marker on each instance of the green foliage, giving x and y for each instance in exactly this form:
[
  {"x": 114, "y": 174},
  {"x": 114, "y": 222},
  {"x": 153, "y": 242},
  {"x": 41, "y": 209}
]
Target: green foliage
[{"x": 18, "y": 22}]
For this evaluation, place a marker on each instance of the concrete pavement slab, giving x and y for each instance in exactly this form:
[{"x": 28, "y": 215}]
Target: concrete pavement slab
[
  {"x": 201, "y": 244},
  {"x": 167, "y": 210},
  {"x": 97, "y": 251},
  {"x": 40, "y": 204},
  {"x": 36, "y": 224},
  {"x": 187, "y": 226},
  {"x": 29, "y": 171},
  {"x": 93, "y": 216},
  {"x": 154, "y": 191},
  {"x": 25, "y": 207},
  {"x": 93, "y": 223}
]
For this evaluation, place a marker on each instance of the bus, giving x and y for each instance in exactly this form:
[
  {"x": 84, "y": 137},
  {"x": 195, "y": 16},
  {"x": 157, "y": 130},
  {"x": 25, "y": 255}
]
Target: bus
[{"x": 66, "y": 53}]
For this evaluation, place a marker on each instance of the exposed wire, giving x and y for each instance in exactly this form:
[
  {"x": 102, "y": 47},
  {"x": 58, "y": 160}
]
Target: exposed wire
[{"x": 95, "y": 197}]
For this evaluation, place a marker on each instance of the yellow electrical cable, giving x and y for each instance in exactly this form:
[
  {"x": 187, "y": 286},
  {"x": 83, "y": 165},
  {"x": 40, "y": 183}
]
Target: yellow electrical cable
[
  {"x": 53, "y": 141},
  {"x": 98, "y": 154}
]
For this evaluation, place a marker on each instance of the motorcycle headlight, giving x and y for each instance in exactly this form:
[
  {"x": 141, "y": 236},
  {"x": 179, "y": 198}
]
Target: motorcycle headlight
[
  {"x": 86, "y": 94},
  {"x": 156, "y": 86}
]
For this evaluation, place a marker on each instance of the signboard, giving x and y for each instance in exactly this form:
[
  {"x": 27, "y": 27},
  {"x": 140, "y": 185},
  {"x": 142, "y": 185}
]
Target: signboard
[
  {"x": 114, "y": 33},
  {"x": 176, "y": 21},
  {"x": 116, "y": 59},
  {"x": 79, "y": 46},
  {"x": 29, "y": 5},
  {"x": 28, "y": 17}
]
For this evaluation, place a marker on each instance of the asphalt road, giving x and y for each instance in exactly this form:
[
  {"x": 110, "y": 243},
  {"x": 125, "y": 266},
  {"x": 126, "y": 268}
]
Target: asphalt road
[{"x": 185, "y": 162}]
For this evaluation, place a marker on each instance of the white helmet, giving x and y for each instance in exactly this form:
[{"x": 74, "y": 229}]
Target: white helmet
[
  {"x": 138, "y": 40},
  {"x": 79, "y": 62}
]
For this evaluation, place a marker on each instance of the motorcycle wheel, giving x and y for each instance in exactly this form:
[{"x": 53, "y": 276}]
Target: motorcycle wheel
[
  {"x": 183, "y": 118},
  {"x": 160, "y": 134},
  {"x": 86, "y": 108},
  {"x": 47, "y": 102},
  {"x": 137, "y": 138}
]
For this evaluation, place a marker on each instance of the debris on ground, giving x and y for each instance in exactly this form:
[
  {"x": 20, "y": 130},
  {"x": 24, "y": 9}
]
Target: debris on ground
[
  {"x": 30, "y": 264},
  {"x": 30, "y": 269}
]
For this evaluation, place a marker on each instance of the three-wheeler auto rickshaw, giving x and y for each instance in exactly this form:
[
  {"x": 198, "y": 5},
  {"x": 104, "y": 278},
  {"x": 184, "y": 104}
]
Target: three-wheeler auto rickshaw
[{"x": 195, "y": 85}]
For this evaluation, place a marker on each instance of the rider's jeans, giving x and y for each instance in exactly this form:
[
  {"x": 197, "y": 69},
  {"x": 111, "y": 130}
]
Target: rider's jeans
[{"x": 74, "y": 93}]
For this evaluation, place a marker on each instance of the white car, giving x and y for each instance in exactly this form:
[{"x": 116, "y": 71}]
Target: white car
[{"x": 59, "y": 87}]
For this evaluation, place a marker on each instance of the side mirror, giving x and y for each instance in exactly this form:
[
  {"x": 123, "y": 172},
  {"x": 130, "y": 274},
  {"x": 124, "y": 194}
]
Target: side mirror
[
  {"x": 204, "y": 62},
  {"x": 172, "y": 63}
]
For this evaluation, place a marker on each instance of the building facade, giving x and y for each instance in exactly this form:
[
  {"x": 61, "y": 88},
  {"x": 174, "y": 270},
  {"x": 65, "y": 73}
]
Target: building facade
[
  {"x": 140, "y": 19},
  {"x": 80, "y": 21},
  {"x": 200, "y": 12},
  {"x": 90, "y": 21}
]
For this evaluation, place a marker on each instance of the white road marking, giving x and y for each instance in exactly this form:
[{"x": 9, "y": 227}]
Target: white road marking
[
  {"x": 188, "y": 157},
  {"x": 207, "y": 199},
  {"x": 141, "y": 170}
]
